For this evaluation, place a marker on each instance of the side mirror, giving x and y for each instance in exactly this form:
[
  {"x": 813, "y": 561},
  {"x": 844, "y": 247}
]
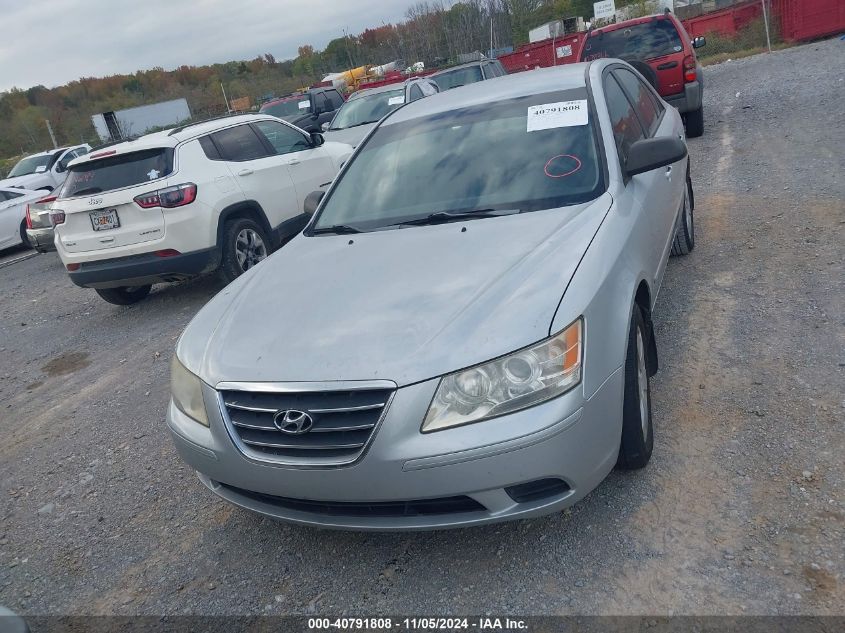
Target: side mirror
[
  {"x": 317, "y": 139},
  {"x": 650, "y": 153},
  {"x": 325, "y": 126},
  {"x": 699, "y": 41},
  {"x": 312, "y": 201}
]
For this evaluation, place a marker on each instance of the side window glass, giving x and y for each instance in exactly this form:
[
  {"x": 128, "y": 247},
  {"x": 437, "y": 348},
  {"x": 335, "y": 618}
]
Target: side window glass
[
  {"x": 240, "y": 143},
  {"x": 283, "y": 139},
  {"x": 321, "y": 103},
  {"x": 626, "y": 126},
  {"x": 335, "y": 99},
  {"x": 641, "y": 98},
  {"x": 209, "y": 148},
  {"x": 63, "y": 163},
  {"x": 416, "y": 92}
]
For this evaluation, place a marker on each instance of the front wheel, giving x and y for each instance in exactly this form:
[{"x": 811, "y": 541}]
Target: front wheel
[
  {"x": 244, "y": 245},
  {"x": 124, "y": 295},
  {"x": 684, "y": 240},
  {"x": 637, "y": 429}
]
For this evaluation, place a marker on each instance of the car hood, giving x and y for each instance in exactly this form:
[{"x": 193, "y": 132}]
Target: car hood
[
  {"x": 23, "y": 181},
  {"x": 404, "y": 305},
  {"x": 352, "y": 135}
]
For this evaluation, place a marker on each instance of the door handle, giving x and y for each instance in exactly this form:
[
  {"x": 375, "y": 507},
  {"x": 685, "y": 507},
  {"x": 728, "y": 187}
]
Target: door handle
[
  {"x": 669, "y": 172},
  {"x": 293, "y": 161},
  {"x": 245, "y": 172}
]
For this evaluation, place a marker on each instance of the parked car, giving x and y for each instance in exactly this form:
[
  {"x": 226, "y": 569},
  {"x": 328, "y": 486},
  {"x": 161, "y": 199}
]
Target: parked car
[
  {"x": 216, "y": 195},
  {"x": 41, "y": 223},
  {"x": 364, "y": 108},
  {"x": 468, "y": 336},
  {"x": 307, "y": 110},
  {"x": 469, "y": 73},
  {"x": 44, "y": 171},
  {"x": 13, "y": 204},
  {"x": 658, "y": 46}
]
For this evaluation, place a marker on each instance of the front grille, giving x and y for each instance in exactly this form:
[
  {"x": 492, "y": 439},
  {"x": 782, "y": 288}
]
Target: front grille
[
  {"x": 343, "y": 422},
  {"x": 418, "y": 507}
]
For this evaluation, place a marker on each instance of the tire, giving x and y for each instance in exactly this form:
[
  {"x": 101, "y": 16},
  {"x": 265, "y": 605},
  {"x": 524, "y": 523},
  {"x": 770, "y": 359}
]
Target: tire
[
  {"x": 244, "y": 245},
  {"x": 24, "y": 237},
  {"x": 637, "y": 428},
  {"x": 124, "y": 295},
  {"x": 694, "y": 123},
  {"x": 684, "y": 240}
]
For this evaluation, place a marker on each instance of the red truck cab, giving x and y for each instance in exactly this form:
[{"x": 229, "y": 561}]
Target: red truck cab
[{"x": 668, "y": 59}]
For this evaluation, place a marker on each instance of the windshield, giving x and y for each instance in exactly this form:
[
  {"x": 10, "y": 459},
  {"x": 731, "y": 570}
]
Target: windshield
[
  {"x": 367, "y": 108},
  {"x": 528, "y": 154},
  {"x": 117, "y": 172},
  {"x": 30, "y": 165},
  {"x": 290, "y": 107},
  {"x": 458, "y": 77},
  {"x": 641, "y": 41}
]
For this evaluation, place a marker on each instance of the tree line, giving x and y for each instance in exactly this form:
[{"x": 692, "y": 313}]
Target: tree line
[{"x": 434, "y": 32}]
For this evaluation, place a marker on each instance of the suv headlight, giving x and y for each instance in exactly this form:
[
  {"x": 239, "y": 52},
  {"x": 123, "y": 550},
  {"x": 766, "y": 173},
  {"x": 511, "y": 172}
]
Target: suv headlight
[
  {"x": 510, "y": 383},
  {"x": 186, "y": 391}
]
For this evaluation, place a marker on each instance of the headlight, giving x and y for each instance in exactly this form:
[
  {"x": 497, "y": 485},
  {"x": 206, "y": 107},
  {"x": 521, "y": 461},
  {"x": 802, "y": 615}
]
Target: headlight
[
  {"x": 517, "y": 381},
  {"x": 186, "y": 390}
]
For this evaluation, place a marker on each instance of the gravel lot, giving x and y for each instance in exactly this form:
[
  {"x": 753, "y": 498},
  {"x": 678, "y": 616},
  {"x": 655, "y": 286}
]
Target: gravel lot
[{"x": 741, "y": 511}]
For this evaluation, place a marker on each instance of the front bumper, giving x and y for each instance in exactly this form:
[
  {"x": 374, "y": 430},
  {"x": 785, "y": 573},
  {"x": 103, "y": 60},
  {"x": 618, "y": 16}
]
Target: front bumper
[
  {"x": 688, "y": 100},
  {"x": 148, "y": 268},
  {"x": 569, "y": 439},
  {"x": 42, "y": 239}
]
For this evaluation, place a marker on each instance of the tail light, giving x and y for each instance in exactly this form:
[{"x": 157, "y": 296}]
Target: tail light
[
  {"x": 176, "y": 196},
  {"x": 689, "y": 68},
  {"x": 72, "y": 267},
  {"x": 28, "y": 218},
  {"x": 57, "y": 217},
  {"x": 167, "y": 252}
]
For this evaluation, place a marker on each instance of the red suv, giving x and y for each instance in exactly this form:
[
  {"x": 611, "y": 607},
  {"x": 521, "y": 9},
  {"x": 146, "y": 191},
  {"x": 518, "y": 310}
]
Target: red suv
[{"x": 659, "y": 47}]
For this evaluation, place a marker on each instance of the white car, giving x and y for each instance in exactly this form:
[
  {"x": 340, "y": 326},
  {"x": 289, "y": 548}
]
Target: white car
[
  {"x": 215, "y": 195},
  {"x": 44, "y": 171},
  {"x": 13, "y": 203}
]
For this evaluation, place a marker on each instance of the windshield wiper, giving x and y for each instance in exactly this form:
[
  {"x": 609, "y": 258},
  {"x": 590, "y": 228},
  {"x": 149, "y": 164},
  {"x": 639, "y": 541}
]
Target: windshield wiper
[
  {"x": 349, "y": 127},
  {"x": 441, "y": 217},
  {"x": 336, "y": 229}
]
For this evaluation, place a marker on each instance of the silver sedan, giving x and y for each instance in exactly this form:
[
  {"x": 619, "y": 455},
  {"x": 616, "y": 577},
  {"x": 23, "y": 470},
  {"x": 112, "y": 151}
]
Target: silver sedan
[{"x": 463, "y": 332}]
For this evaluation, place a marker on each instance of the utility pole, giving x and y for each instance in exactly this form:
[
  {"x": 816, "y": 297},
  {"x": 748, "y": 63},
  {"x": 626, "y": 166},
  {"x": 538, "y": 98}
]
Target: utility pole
[
  {"x": 52, "y": 136},
  {"x": 766, "y": 22},
  {"x": 228, "y": 109}
]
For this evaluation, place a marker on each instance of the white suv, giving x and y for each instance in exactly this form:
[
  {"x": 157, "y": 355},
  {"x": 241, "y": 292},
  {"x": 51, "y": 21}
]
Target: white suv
[{"x": 219, "y": 194}]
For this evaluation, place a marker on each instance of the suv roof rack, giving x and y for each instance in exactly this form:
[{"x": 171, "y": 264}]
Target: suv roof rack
[{"x": 184, "y": 127}]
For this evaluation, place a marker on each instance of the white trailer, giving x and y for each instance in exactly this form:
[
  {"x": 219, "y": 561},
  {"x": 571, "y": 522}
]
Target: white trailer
[{"x": 113, "y": 126}]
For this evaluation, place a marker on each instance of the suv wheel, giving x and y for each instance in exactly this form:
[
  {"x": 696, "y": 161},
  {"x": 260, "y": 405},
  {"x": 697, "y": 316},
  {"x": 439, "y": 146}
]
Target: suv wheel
[
  {"x": 637, "y": 430},
  {"x": 124, "y": 295},
  {"x": 244, "y": 245},
  {"x": 694, "y": 122}
]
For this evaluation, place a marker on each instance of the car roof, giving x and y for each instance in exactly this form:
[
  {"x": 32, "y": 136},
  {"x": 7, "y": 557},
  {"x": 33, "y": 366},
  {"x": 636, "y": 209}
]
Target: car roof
[
  {"x": 171, "y": 137},
  {"x": 47, "y": 152},
  {"x": 399, "y": 85},
  {"x": 459, "y": 66},
  {"x": 553, "y": 79}
]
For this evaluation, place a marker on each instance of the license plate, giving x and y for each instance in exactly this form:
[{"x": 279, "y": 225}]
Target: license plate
[{"x": 104, "y": 220}]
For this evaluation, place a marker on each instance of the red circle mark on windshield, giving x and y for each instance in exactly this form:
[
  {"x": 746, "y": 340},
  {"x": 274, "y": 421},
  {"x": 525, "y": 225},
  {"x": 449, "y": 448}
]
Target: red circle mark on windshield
[{"x": 551, "y": 168}]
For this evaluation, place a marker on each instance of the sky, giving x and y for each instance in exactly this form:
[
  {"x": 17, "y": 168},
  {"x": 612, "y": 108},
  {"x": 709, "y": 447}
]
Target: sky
[{"x": 51, "y": 42}]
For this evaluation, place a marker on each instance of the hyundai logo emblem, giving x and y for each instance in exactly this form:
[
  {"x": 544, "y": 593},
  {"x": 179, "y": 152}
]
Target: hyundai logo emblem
[{"x": 293, "y": 422}]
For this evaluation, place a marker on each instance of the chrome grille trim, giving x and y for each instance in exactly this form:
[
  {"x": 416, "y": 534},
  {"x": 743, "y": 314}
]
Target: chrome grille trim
[{"x": 248, "y": 420}]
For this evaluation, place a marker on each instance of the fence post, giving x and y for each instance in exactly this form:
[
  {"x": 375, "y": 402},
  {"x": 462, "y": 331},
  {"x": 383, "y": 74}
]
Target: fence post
[{"x": 766, "y": 22}]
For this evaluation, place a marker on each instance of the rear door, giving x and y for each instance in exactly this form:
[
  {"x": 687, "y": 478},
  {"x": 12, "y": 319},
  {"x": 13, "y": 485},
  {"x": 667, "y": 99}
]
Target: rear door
[
  {"x": 10, "y": 218},
  {"x": 669, "y": 188},
  {"x": 260, "y": 174},
  {"x": 98, "y": 200},
  {"x": 310, "y": 168}
]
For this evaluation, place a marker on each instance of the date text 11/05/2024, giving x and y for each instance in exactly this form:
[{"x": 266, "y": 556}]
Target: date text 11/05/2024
[{"x": 418, "y": 624}]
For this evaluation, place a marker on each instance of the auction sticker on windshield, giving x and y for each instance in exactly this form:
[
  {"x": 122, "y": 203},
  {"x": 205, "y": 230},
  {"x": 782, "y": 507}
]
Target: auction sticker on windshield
[
  {"x": 396, "y": 100},
  {"x": 561, "y": 114},
  {"x": 104, "y": 220}
]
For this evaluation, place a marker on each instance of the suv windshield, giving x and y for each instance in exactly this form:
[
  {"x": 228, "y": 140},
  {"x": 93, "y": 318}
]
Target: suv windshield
[
  {"x": 367, "y": 108},
  {"x": 641, "y": 41},
  {"x": 458, "y": 77},
  {"x": 290, "y": 107},
  {"x": 453, "y": 162},
  {"x": 117, "y": 172},
  {"x": 30, "y": 165}
]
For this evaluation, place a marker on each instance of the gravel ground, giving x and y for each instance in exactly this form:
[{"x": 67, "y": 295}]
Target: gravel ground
[{"x": 741, "y": 511}]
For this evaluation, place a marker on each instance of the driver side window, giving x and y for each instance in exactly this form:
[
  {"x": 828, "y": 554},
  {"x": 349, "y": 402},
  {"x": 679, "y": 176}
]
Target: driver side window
[{"x": 283, "y": 138}]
